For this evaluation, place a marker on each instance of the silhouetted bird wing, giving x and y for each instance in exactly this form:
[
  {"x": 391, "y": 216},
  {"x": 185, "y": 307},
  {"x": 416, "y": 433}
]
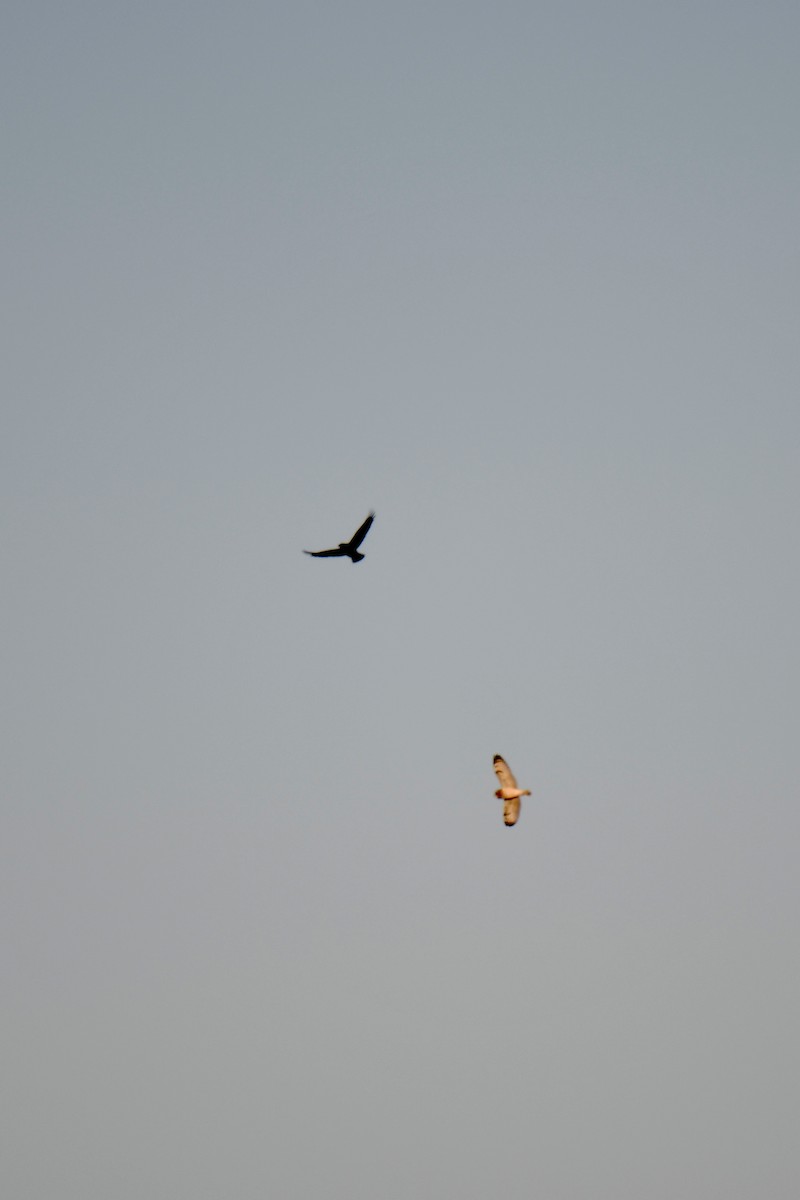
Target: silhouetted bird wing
[
  {"x": 503, "y": 773},
  {"x": 337, "y": 553},
  {"x": 361, "y": 532}
]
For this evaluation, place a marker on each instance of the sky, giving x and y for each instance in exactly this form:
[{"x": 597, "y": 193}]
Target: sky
[{"x": 523, "y": 279}]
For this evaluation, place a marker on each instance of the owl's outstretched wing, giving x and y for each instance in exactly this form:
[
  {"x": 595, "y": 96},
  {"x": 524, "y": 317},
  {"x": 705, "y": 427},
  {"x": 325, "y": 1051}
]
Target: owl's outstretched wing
[
  {"x": 511, "y": 811},
  {"x": 503, "y": 773}
]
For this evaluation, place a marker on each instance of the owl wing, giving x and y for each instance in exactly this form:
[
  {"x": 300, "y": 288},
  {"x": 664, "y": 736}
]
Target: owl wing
[
  {"x": 503, "y": 773},
  {"x": 511, "y": 811}
]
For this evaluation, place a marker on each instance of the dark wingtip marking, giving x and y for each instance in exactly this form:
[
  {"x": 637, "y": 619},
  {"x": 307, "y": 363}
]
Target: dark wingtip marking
[{"x": 498, "y": 758}]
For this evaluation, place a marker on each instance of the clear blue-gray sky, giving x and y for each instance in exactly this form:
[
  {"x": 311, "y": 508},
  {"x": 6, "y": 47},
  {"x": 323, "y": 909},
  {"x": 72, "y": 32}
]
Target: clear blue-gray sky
[{"x": 524, "y": 279}]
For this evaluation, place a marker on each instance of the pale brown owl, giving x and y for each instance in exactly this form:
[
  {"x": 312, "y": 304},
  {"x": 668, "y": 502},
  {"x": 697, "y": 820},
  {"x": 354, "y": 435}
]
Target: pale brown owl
[{"x": 508, "y": 791}]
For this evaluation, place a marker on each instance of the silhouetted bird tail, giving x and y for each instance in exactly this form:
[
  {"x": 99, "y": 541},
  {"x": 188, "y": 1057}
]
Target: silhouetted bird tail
[{"x": 356, "y": 557}]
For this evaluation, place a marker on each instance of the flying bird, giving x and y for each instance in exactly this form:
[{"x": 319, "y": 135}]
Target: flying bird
[
  {"x": 347, "y": 549},
  {"x": 508, "y": 791}
]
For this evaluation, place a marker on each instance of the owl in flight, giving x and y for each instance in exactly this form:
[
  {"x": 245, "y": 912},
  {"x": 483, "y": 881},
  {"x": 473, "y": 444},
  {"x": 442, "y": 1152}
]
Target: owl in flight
[
  {"x": 347, "y": 549},
  {"x": 508, "y": 791}
]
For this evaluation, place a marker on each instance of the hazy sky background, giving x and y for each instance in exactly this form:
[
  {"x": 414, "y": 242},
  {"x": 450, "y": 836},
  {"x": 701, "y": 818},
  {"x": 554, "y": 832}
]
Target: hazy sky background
[{"x": 524, "y": 279}]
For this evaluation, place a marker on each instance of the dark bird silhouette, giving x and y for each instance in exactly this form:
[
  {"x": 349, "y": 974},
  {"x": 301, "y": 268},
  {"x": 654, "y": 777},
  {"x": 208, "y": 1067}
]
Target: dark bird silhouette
[{"x": 347, "y": 549}]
